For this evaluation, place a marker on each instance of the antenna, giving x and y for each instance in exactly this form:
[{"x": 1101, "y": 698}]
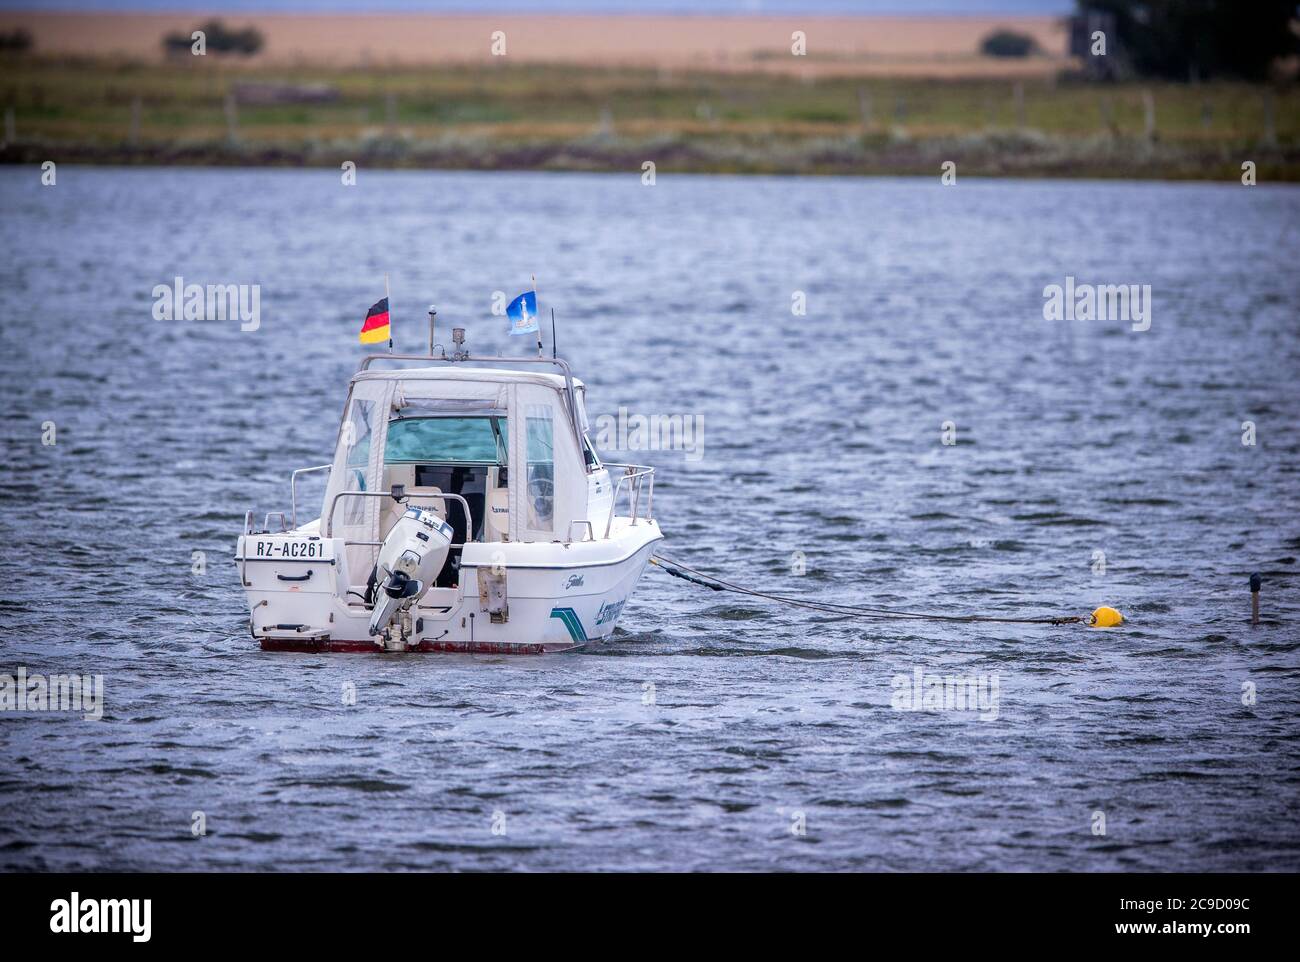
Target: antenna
[
  {"x": 539, "y": 327},
  {"x": 433, "y": 313},
  {"x": 553, "y": 347}
]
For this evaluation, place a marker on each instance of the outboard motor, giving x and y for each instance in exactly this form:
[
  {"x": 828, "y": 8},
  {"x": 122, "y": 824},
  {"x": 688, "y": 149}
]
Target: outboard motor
[{"x": 411, "y": 557}]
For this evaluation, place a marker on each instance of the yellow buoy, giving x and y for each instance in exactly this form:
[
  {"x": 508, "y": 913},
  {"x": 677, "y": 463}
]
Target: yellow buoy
[{"x": 1105, "y": 618}]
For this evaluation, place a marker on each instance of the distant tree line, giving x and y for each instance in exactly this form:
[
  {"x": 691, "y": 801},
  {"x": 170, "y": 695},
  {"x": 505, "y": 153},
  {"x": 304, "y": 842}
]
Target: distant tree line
[
  {"x": 17, "y": 40},
  {"x": 218, "y": 39},
  {"x": 1197, "y": 39},
  {"x": 1008, "y": 43}
]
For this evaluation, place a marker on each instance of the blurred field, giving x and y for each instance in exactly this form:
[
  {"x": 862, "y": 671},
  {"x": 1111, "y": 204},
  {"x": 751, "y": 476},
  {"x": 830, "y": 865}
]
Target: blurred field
[
  {"x": 555, "y": 116},
  {"x": 912, "y": 46}
]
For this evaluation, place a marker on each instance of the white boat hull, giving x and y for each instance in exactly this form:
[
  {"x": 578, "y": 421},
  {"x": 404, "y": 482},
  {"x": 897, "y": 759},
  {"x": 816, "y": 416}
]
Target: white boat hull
[{"x": 558, "y": 595}]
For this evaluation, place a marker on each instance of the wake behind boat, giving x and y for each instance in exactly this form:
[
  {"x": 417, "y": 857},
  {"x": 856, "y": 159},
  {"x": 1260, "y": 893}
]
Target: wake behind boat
[{"x": 466, "y": 509}]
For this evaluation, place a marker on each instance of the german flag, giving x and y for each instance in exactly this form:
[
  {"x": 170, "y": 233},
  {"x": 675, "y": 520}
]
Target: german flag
[{"x": 376, "y": 330}]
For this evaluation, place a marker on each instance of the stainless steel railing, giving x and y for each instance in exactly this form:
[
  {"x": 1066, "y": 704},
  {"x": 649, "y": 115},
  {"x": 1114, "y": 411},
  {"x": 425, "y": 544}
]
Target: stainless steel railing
[
  {"x": 250, "y": 522},
  {"x": 640, "y": 481},
  {"x": 327, "y": 524},
  {"x": 291, "y": 522},
  {"x": 293, "y": 489}
]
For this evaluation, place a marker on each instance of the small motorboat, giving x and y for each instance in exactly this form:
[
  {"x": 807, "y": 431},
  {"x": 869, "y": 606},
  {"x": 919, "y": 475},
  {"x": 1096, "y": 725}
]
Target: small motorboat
[{"x": 466, "y": 510}]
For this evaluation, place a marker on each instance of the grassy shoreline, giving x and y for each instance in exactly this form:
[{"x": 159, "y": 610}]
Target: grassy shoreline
[{"x": 537, "y": 117}]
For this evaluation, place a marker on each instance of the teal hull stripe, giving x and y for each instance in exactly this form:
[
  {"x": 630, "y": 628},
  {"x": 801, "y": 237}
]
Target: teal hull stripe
[{"x": 571, "y": 621}]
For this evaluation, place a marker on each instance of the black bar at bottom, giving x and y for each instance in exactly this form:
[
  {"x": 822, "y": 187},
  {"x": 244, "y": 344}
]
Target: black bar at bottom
[{"x": 329, "y": 912}]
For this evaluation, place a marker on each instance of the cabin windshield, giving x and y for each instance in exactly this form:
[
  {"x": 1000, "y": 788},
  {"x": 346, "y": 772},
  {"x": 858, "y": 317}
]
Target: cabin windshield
[{"x": 461, "y": 440}]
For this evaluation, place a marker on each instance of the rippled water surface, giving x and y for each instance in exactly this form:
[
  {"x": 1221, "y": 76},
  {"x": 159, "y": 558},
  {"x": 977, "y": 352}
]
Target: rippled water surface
[{"x": 822, "y": 436}]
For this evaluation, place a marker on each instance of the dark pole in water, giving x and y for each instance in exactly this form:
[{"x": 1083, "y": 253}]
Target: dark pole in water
[{"x": 1255, "y": 581}]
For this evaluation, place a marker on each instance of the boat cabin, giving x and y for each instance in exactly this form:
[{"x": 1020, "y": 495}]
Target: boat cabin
[{"x": 500, "y": 455}]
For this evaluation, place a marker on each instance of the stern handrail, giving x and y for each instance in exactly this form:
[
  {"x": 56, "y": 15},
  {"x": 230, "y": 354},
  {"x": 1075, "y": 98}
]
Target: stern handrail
[
  {"x": 327, "y": 528},
  {"x": 293, "y": 489},
  {"x": 635, "y": 475}
]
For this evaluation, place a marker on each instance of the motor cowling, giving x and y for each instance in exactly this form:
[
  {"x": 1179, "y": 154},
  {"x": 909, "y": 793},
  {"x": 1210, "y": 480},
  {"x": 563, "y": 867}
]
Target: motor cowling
[{"x": 409, "y": 561}]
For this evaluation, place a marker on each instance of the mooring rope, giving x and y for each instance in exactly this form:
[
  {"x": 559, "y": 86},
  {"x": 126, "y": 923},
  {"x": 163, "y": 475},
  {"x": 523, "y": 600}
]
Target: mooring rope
[{"x": 678, "y": 570}]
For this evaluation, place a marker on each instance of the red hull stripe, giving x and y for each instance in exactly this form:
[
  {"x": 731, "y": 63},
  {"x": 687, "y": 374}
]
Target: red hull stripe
[{"x": 461, "y": 647}]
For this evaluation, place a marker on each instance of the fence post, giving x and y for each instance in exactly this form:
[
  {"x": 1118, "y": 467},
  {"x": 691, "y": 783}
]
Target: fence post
[
  {"x": 864, "y": 107},
  {"x": 232, "y": 117},
  {"x": 133, "y": 134}
]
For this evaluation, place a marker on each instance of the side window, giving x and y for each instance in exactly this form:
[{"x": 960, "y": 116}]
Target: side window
[
  {"x": 356, "y": 441},
  {"x": 541, "y": 467}
]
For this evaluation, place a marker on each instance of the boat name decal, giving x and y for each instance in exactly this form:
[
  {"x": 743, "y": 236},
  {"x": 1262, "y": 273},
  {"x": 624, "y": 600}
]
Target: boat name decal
[
  {"x": 575, "y": 581},
  {"x": 609, "y": 612}
]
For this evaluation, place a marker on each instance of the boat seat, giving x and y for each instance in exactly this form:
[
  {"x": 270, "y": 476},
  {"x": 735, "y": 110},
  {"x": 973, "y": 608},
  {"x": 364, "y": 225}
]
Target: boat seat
[{"x": 426, "y": 497}]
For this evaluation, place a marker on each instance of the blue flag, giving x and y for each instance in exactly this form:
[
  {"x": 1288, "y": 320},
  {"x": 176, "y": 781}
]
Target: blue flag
[{"x": 522, "y": 313}]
